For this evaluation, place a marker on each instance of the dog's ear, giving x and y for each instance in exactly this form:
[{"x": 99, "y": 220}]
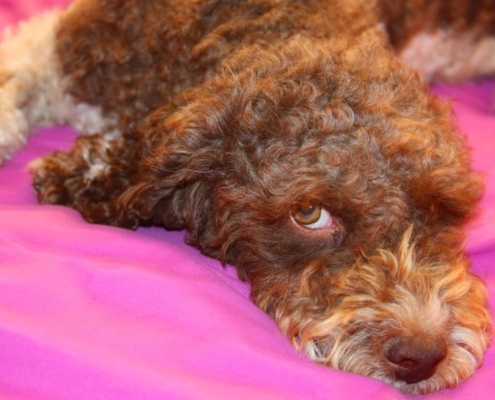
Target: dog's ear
[{"x": 180, "y": 165}]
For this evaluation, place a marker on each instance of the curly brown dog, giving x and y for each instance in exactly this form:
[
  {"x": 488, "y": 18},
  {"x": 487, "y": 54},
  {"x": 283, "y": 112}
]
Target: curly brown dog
[{"x": 290, "y": 139}]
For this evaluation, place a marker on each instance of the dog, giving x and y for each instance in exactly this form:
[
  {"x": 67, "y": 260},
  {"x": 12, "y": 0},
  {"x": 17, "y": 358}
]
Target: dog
[{"x": 294, "y": 139}]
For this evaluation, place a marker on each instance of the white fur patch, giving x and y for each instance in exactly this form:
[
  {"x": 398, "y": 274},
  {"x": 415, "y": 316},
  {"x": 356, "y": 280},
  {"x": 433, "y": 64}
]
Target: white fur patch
[
  {"x": 88, "y": 119},
  {"x": 450, "y": 56}
]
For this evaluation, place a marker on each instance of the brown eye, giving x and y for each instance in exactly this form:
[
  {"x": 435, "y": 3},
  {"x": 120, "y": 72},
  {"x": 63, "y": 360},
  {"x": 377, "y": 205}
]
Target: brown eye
[
  {"x": 313, "y": 216},
  {"x": 307, "y": 214}
]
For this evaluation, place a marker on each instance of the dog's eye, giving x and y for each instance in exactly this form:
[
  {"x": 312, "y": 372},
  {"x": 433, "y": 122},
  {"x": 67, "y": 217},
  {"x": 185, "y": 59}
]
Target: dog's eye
[{"x": 312, "y": 216}]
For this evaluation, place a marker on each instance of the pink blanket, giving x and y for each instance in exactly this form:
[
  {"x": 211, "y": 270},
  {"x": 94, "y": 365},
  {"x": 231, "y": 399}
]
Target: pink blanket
[{"x": 94, "y": 312}]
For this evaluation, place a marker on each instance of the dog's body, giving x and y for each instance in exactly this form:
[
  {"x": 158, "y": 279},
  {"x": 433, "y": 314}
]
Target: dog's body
[{"x": 289, "y": 139}]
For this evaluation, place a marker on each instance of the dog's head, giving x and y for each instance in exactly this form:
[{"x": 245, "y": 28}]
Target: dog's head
[{"x": 338, "y": 186}]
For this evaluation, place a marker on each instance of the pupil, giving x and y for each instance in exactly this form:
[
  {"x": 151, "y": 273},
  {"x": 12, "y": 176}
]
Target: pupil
[{"x": 308, "y": 210}]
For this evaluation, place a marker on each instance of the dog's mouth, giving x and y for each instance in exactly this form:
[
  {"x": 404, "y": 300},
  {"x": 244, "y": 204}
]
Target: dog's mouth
[{"x": 414, "y": 364}]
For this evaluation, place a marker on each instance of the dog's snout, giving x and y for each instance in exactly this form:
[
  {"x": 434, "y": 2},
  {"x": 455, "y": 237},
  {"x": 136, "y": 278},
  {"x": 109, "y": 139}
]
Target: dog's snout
[{"x": 415, "y": 358}]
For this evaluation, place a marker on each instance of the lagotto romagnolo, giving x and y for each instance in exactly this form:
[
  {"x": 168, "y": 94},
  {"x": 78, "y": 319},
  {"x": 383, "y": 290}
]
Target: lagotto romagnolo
[{"x": 294, "y": 139}]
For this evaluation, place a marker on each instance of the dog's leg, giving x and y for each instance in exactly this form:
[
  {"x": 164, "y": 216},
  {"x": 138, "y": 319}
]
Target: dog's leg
[
  {"x": 32, "y": 86},
  {"x": 30, "y": 82}
]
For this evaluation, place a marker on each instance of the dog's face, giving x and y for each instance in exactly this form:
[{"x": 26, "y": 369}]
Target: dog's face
[{"x": 343, "y": 200}]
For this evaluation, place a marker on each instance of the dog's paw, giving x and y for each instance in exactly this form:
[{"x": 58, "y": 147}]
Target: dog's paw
[
  {"x": 89, "y": 178},
  {"x": 55, "y": 179},
  {"x": 75, "y": 178}
]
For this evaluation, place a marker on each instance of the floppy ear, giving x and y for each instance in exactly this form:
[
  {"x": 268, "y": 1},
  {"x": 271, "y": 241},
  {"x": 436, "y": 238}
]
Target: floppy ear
[{"x": 180, "y": 166}]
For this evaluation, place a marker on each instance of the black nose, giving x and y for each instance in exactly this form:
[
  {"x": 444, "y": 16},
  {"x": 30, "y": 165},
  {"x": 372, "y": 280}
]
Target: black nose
[{"x": 415, "y": 358}]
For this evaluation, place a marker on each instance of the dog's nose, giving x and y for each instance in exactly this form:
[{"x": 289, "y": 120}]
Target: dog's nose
[{"x": 415, "y": 358}]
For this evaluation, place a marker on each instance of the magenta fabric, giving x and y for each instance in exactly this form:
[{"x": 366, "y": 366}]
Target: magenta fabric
[{"x": 95, "y": 312}]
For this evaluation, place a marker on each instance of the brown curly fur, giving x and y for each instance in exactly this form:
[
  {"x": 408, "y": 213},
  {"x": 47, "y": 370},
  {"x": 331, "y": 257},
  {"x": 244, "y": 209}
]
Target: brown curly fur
[{"x": 236, "y": 113}]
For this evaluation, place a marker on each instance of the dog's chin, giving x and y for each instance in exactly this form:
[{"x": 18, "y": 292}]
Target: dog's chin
[
  {"x": 455, "y": 364},
  {"x": 421, "y": 364}
]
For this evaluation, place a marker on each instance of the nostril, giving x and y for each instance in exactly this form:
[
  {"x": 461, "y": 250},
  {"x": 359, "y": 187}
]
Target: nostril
[{"x": 414, "y": 358}]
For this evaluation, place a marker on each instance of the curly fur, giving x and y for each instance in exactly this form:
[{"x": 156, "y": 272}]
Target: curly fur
[{"x": 225, "y": 118}]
